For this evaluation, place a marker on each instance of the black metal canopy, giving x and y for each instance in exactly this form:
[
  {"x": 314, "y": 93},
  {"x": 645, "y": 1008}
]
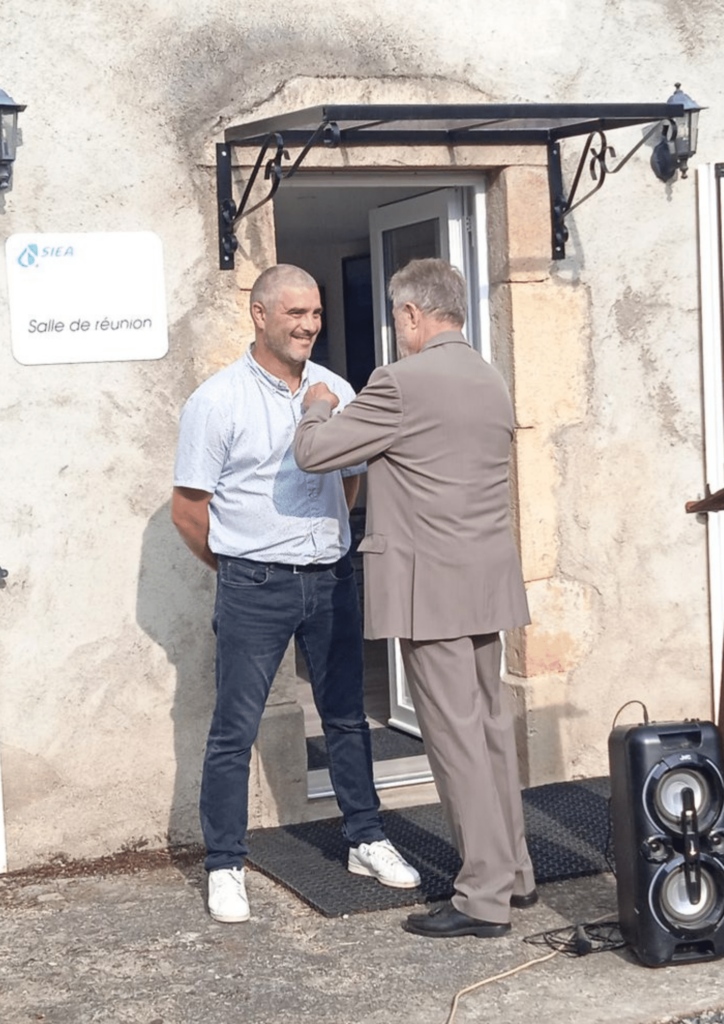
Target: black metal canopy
[{"x": 465, "y": 124}]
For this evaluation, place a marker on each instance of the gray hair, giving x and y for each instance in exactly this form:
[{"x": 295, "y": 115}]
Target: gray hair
[
  {"x": 271, "y": 282},
  {"x": 434, "y": 286}
]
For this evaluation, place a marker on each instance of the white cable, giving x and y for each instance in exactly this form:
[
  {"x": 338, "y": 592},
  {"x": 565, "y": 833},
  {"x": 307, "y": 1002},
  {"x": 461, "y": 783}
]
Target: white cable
[{"x": 497, "y": 977}]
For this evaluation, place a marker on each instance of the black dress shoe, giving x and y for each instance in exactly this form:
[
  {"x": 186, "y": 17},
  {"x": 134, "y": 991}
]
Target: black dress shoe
[
  {"x": 446, "y": 922},
  {"x": 524, "y": 901}
]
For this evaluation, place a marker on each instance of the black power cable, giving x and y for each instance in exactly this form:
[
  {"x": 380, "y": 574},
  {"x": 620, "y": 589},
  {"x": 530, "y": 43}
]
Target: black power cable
[{"x": 580, "y": 939}]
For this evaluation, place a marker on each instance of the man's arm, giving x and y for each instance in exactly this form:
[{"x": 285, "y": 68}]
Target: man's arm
[
  {"x": 365, "y": 428},
  {"x": 190, "y": 516}
]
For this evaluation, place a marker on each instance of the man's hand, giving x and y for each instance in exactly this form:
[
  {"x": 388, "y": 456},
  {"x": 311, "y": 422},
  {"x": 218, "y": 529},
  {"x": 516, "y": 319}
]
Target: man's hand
[
  {"x": 190, "y": 516},
  {"x": 319, "y": 393}
]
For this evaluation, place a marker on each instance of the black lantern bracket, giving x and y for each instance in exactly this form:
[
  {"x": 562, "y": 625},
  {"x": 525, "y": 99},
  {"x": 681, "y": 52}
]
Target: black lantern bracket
[
  {"x": 9, "y": 111},
  {"x": 548, "y": 124}
]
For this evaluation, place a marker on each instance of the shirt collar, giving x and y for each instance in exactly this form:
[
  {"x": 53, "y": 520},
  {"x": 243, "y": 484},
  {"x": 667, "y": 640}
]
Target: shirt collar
[{"x": 272, "y": 382}]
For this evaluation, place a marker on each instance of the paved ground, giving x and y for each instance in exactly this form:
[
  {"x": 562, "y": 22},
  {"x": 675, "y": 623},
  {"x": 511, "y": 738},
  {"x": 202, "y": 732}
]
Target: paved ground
[{"x": 139, "y": 948}]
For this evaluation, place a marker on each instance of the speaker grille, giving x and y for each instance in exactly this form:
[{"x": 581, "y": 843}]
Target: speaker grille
[
  {"x": 673, "y": 906},
  {"x": 665, "y": 787},
  {"x": 668, "y": 796},
  {"x": 675, "y": 902}
]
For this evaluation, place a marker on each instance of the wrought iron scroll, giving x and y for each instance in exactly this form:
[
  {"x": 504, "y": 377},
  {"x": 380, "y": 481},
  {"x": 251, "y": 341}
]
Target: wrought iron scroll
[
  {"x": 598, "y": 167},
  {"x": 229, "y": 214}
]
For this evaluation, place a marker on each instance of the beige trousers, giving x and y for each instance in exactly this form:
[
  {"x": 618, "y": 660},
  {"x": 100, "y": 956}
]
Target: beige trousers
[{"x": 467, "y": 728}]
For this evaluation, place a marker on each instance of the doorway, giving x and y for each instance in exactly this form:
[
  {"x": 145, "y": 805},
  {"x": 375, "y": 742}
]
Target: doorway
[{"x": 352, "y": 236}]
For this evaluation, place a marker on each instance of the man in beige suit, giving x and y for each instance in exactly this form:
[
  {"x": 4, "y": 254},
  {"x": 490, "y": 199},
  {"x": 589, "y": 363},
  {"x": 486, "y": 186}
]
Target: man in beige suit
[{"x": 442, "y": 573}]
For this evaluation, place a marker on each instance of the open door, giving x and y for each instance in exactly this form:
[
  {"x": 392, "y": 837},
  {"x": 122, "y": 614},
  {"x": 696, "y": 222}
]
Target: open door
[
  {"x": 323, "y": 223},
  {"x": 446, "y": 224}
]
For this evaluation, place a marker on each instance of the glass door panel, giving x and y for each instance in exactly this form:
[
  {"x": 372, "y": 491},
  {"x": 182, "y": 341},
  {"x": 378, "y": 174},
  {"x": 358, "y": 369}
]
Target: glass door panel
[{"x": 431, "y": 225}]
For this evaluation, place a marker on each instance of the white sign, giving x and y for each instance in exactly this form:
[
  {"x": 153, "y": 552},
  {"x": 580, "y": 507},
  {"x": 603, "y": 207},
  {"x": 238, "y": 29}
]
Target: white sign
[{"x": 86, "y": 298}]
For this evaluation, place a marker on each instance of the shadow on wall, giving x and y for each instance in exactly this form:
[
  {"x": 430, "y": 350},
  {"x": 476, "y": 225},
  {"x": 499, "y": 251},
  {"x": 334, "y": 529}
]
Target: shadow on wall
[
  {"x": 174, "y": 607},
  {"x": 542, "y": 757}
]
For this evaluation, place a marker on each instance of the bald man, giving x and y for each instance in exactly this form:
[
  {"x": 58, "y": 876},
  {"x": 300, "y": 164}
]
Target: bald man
[{"x": 278, "y": 539}]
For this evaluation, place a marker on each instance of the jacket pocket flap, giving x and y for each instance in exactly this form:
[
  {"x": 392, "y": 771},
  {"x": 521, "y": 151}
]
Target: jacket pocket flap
[{"x": 373, "y": 542}]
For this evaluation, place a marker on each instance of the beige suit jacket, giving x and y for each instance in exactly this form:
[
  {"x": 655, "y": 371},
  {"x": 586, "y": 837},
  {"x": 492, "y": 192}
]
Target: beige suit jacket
[{"x": 435, "y": 430}]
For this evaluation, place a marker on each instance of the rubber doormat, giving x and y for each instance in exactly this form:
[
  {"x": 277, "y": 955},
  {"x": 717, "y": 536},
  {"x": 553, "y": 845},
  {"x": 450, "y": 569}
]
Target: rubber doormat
[
  {"x": 567, "y": 826},
  {"x": 386, "y": 744}
]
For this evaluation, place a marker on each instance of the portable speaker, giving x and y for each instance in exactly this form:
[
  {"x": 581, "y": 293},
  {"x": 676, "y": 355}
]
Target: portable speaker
[{"x": 667, "y": 811}]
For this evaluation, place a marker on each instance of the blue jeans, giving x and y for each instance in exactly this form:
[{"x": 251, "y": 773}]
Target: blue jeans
[{"x": 259, "y": 608}]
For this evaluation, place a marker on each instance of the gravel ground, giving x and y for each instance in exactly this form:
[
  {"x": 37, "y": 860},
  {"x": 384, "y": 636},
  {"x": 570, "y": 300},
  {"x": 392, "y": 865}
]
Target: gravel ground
[{"x": 139, "y": 948}]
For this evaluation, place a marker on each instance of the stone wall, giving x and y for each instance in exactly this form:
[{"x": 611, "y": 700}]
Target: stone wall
[{"x": 106, "y": 678}]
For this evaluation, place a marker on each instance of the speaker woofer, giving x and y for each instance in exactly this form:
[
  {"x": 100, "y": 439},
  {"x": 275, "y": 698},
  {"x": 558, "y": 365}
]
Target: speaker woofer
[
  {"x": 664, "y": 793},
  {"x": 671, "y": 899},
  {"x": 668, "y": 796}
]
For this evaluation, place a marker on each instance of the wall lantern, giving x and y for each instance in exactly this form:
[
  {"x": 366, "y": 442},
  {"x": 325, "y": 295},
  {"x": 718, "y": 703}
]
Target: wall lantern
[
  {"x": 9, "y": 111},
  {"x": 678, "y": 138}
]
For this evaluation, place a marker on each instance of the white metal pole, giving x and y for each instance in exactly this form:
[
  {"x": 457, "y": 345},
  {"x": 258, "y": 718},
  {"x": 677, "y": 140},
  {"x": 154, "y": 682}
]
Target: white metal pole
[{"x": 710, "y": 233}]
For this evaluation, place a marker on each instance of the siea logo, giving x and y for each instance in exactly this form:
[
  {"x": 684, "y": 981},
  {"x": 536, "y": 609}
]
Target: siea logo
[{"x": 31, "y": 254}]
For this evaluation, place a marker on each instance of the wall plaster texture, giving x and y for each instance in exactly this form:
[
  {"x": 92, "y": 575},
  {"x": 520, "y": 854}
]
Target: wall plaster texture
[{"x": 105, "y": 649}]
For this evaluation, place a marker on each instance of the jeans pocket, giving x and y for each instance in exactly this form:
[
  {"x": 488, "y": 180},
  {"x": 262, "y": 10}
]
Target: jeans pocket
[
  {"x": 343, "y": 569},
  {"x": 235, "y": 573}
]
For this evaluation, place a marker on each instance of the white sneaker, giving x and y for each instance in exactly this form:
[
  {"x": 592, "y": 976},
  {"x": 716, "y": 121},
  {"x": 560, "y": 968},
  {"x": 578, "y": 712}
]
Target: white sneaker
[
  {"x": 382, "y": 861},
  {"x": 227, "y": 895}
]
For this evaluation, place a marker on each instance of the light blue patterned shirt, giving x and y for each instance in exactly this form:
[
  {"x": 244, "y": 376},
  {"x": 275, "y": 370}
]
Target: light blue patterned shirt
[{"x": 236, "y": 441}]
